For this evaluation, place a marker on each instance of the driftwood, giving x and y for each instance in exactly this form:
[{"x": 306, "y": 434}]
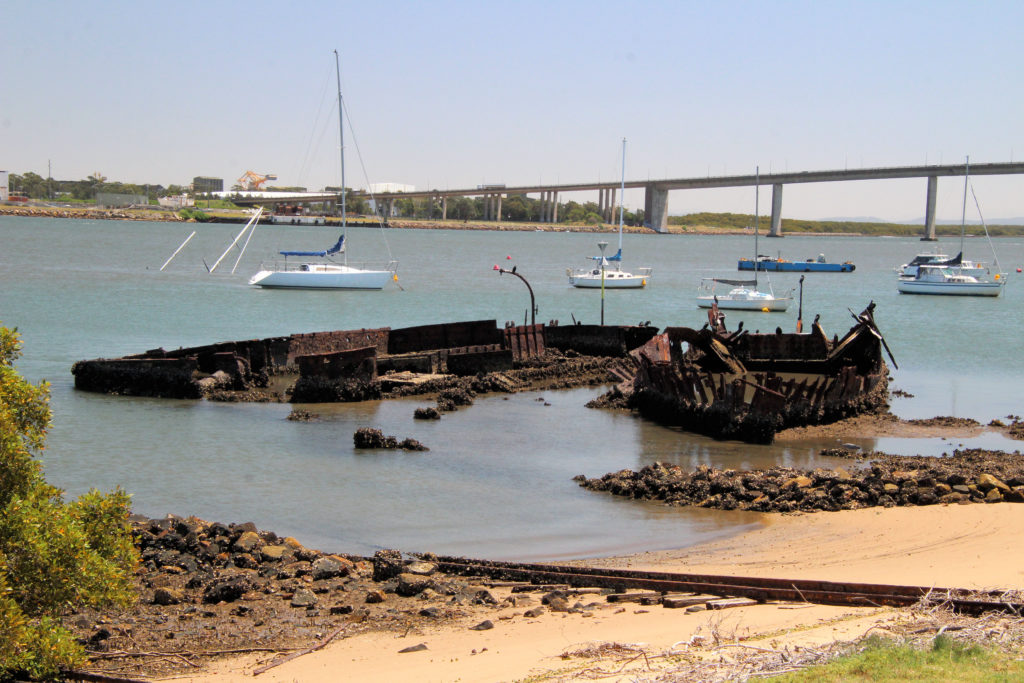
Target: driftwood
[{"x": 300, "y": 653}]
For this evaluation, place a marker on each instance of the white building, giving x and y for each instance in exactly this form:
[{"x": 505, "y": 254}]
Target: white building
[{"x": 176, "y": 201}]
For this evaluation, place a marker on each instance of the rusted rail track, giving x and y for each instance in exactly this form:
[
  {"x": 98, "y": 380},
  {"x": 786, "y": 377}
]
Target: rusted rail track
[{"x": 760, "y": 589}]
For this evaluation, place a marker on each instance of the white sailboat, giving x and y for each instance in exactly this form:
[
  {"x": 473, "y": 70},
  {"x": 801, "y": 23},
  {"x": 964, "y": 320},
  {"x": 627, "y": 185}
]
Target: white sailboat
[
  {"x": 602, "y": 276},
  {"x": 956, "y": 277},
  {"x": 327, "y": 273},
  {"x": 744, "y": 294}
]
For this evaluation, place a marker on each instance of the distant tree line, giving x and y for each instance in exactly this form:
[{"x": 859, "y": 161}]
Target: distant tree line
[
  {"x": 741, "y": 221},
  {"x": 35, "y": 186},
  {"x": 514, "y": 208}
]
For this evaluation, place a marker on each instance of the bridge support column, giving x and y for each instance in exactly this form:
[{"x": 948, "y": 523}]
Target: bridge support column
[
  {"x": 554, "y": 206},
  {"x": 656, "y": 208},
  {"x": 611, "y": 206},
  {"x": 545, "y": 207},
  {"x": 497, "y": 213},
  {"x": 444, "y": 208},
  {"x": 776, "y": 230},
  {"x": 929, "y": 210},
  {"x": 600, "y": 202}
]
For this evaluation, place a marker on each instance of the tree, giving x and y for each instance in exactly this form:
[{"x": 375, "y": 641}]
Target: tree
[{"x": 54, "y": 555}]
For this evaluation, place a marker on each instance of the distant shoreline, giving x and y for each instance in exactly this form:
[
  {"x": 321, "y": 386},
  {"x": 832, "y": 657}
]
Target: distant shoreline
[{"x": 228, "y": 216}]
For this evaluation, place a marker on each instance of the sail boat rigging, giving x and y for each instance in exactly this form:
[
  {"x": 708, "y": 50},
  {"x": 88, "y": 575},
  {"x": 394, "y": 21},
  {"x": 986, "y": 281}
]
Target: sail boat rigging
[
  {"x": 327, "y": 274},
  {"x": 744, "y": 295},
  {"x": 954, "y": 278},
  {"x": 601, "y": 276}
]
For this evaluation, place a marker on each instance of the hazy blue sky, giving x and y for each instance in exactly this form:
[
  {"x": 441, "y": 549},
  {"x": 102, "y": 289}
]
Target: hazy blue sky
[{"x": 457, "y": 94}]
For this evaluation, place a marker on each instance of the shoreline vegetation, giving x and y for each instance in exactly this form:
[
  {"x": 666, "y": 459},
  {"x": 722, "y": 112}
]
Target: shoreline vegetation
[{"x": 696, "y": 224}]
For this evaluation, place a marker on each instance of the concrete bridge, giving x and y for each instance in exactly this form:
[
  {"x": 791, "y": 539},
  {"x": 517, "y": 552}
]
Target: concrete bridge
[{"x": 656, "y": 191}]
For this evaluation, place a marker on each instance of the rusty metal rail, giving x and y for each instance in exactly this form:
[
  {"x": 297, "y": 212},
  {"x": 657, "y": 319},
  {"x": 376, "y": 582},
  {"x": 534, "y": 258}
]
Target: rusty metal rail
[{"x": 760, "y": 589}]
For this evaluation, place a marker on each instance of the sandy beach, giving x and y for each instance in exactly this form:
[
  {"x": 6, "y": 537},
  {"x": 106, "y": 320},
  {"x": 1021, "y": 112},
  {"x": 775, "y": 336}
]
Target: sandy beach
[{"x": 970, "y": 546}]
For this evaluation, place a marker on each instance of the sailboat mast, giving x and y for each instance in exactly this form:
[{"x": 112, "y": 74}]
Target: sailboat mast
[
  {"x": 341, "y": 142},
  {"x": 757, "y": 206},
  {"x": 963, "y": 212},
  {"x": 622, "y": 193}
]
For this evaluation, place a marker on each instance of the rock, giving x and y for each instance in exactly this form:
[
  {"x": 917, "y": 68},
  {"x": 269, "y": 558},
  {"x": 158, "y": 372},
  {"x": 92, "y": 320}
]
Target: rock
[
  {"x": 558, "y": 604},
  {"x": 534, "y": 613},
  {"x": 341, "y": 609},
  {"x": 167, "y": 596},
  {"x": 994, "y": 495},
  {"x": 387, "y": 564},
  {"x": 484, "y": 625},
  {"x": 799, "y": 482},
  {"x": 421, "y": 568},
  {"x": 304, "y": 598},
  {"x": 411, "y": 584},
  {"x": 413, "y": 648},
  {"x": 986, "y": 481},
  {"x": 484, "y": 597},
  {"x": 227, "y": 590},
  {"x": 331, "y": 566},
  {"x": 247, "y": 542},
  {"x": 428, "y": 413},
  {"x": 276, "y": 553},
  {"x": 431, "y": 612},
  {"x": 375, "y": 596}
]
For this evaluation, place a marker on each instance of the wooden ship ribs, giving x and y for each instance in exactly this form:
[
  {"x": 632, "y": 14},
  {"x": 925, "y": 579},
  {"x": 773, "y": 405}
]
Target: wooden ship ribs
[{"x": 738, "y": 385}]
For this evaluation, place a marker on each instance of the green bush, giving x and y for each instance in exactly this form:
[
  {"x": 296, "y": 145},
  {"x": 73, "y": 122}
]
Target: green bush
[
  {"x": 54, "y": 556},
  {"x": 194, "y": 214}
]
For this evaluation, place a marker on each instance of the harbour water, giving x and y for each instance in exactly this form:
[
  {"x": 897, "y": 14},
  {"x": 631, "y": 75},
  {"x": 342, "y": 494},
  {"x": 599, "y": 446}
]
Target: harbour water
[{"x": 497, "y": 481}]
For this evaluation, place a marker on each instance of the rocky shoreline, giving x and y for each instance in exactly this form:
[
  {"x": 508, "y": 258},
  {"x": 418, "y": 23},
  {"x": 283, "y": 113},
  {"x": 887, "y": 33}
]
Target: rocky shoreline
[
  {"x": 208, "y": 590},
  {"x": 880, "y": 480}
]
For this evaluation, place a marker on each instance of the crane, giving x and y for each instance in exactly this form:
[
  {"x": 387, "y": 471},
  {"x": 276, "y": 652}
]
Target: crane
[{"x": 251, "y": 180}]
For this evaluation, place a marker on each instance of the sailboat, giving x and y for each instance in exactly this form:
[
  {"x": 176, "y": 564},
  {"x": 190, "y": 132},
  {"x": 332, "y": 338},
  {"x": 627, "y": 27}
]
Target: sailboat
[
  {"x": 954, "y": 278},
  {"x": 744, "y": 295},
  {"x": 327, "y": 273},
  {"x": 601, "y": 276}
]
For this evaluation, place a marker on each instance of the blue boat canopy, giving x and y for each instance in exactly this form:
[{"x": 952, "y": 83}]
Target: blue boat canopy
[{"x": 339, "y": 247}]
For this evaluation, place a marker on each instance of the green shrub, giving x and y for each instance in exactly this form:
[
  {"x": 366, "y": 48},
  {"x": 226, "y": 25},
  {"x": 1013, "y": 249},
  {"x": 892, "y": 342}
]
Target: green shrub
[
  {"x": 194, "y": 214},
  {"x": 54, "y": 556}
]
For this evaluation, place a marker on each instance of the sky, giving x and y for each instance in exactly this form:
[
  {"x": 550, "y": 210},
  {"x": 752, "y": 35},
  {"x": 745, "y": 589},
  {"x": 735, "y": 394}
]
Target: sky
[{"x": 449, "y": 94}]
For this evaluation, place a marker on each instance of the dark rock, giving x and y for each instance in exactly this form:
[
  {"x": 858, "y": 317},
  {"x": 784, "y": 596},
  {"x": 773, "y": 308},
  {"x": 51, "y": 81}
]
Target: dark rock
[
  {"x": 413, "y": 648},
  {"x": 484, "y": 625},
  {"x": 226, "y": 590},
  {"x": 427, "y": 413},
  {"x": 387, "y": 564}
]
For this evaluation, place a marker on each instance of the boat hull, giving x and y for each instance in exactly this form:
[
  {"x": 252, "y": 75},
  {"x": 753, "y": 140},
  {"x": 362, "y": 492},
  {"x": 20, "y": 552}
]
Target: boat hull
[
  {"x": 347, "y": 278},
  {"x": 950, "y": 288},
  {"x": 725, "y": 303},
  {"x": 797, "y": 266},
  {"x": 613, "y": 279}
]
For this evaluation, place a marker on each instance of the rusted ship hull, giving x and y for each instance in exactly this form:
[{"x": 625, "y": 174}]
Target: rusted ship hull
[
  {"x": 749, "y": 386},
  {"x": 345, "y": 365}
]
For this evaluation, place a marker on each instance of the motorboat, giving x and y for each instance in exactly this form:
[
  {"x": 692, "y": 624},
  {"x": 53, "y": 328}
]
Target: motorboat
[
  {"x": 933, "y": 279},
  {"x": 972, "y": 268},
  {"x": 603, "y": 276},
  {"x": 953, "y": 277}
]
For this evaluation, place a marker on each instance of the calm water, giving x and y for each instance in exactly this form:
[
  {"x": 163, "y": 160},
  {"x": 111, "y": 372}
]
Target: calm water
[{"x": 497, "y": 480}]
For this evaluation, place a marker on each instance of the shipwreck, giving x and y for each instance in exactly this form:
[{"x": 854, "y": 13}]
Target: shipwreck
[
  {"x": 748, "y": 386},
  {"x": 365, "y": 364}
]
